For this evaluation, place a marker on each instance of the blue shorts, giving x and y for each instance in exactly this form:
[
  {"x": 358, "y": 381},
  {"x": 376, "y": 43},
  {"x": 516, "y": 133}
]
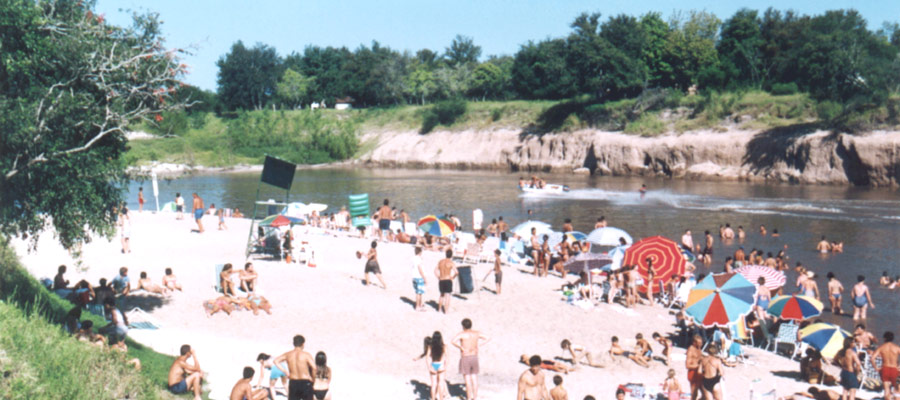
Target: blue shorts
[
  {"x": 849, "y": 380},
  {"x": 276, "y": 373},
  {"x": 419, "y": 285},
  {"x": 179, "y": 388},
  {"x": 198, "y": 213}
]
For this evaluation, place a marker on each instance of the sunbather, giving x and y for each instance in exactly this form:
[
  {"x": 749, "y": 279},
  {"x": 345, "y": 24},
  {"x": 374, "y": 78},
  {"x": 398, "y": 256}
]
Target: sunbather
[
  {"x": 549, "y": 365},
  {"x": 616, "y": 350},
  {"x": 170, "y": 282},
  {"x": 222, "y": 303},
  {"x": 148, "y": 285}
]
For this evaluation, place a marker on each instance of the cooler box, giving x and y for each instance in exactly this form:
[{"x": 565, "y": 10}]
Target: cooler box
[{"x": 465, "y": 279}]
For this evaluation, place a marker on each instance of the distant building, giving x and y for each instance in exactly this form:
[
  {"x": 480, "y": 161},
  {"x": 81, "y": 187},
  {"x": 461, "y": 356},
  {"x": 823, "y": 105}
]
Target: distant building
[{"x": 344, "y": 103}]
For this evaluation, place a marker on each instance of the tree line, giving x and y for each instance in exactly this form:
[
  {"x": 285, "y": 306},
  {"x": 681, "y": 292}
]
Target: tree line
[{"x": 832, "y": 56}]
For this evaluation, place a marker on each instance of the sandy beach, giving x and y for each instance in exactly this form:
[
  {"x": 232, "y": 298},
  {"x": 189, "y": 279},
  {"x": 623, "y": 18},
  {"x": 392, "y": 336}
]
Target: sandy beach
[{"x": 371, "y": 335}]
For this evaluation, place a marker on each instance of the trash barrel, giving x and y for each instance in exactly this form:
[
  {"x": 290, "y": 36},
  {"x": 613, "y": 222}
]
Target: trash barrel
[{"x": 465, "y": 279}]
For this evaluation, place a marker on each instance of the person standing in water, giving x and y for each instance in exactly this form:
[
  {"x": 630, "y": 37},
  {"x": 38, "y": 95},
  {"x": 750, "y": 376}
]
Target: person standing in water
[
  {"x": 861, "y": 298},
  {"x": 141, "y": 199},
  {"x": 643, "y": 191},
  {"x": 835, "y": 291}
]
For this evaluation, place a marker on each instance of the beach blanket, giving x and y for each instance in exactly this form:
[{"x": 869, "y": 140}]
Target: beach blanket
[{"x": 139, "y": 319}]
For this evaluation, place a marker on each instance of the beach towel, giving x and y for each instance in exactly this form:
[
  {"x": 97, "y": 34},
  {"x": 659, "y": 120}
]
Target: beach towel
[{"x": 139, "y": 319}]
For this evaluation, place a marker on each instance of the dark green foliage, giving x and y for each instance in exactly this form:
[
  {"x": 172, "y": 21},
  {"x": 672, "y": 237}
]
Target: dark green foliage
[
  {"x": 462, "y": 51},
  {"x": 70, "y": 85},
  {"x": 442, "y": 113},
  {"x": 540, "y": 71},
  {"x": 784, "y": 88},
  {"x": 247, "y": 77},
  {"x": 304, "y": 138}
]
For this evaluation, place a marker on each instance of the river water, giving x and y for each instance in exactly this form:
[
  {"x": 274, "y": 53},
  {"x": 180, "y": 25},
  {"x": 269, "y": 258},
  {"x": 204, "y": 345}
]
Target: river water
[{"x": 867, "y": 220}]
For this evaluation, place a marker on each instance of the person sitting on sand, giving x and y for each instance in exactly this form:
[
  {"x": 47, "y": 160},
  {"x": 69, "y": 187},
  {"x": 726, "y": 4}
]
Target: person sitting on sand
[
  {"x": 170, "y": 281},
  {"x": 146, "y": 284},
  {"x": 275, "y": 373},
  {"x": 86, "y": 334},
  {"x": 642, "y": 348},
  {"x": 121, "y": 284},
  {"x": 548, "y": 365},
  {"x": 580, "y": 355},
  {"x": 225, "y": 281},
  {"x": 558, "y": 392},
  {"x": 184, "y": 376},
  {"x": 248, "y": 278},
  {"x": 666, "y": 344},
  {"x": 616, "y": 350},
  {"x": 222, "y": 303},
  {"x": 242, "y": 389}
]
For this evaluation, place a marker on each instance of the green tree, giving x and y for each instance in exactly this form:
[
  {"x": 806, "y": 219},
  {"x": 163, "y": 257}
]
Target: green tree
[
  {"x": 293, "y": 87},
  {"x": 539, "y": 71},
  {"x": 603, "y": 69},
  {"x": 247, "y": 77},
  {"x": 331, "y": 69},
  {"x": 487, "y": 81},
  {"x": 420, "y": 83},
  {"x": 462, "y": 51},
  {"x": 653, "y": 53},
  {"x": 740, "y": 49},
  {"x": 692, "y": 47},
  {"x": 70, "y": 86}
]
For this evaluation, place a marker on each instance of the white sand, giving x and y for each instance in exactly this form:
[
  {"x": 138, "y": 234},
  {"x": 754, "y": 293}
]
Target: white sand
[{"x": 371, "y": 335}]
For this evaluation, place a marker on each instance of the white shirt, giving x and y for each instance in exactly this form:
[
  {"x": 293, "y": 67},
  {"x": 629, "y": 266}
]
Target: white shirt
[
  {"x": 477, "y": 219},
  {"x": 415, "y": 266}
]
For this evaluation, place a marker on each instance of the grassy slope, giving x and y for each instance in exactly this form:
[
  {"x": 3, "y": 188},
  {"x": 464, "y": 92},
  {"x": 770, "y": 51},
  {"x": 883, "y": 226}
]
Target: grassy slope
[
  {"x": 672, "y": 112},
  {"x": 44, "y": 362}
]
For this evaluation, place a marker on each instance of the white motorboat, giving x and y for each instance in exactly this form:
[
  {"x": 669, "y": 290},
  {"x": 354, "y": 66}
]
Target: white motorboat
[{"x": 550, "y": 188}]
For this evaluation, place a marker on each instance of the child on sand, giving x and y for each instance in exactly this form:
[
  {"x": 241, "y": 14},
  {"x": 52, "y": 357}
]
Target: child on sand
[
  {"x": 221, "y": 214},
  {"x": 497, "y": 271},
  {"x": 578, "y": 353},
  {"x": 671, "y": 386},
  {"x": 616, "y": 350},
  {"x": 558, "y": 392}
]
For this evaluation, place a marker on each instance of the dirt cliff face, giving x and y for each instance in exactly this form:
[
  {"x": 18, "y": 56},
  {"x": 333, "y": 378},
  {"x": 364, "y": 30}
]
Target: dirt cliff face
[{"x": 778, "y": 155}]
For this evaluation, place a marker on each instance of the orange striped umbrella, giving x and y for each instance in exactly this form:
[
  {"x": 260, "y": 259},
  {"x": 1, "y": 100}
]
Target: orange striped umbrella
[{"x": 664, "y": 254}]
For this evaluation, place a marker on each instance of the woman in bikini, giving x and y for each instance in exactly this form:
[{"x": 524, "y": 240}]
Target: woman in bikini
[
  {"x": 436, "y": 356},
  {"x": 323, "y": 377},
  {"x": 170, "y": 282}
]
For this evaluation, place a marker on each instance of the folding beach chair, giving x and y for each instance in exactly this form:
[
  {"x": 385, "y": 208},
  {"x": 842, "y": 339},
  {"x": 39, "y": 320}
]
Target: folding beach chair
[
  {"x": 871, "y": 378},
  {"x": 787, "y": 333},
  {"x": 472, "y": 253}
]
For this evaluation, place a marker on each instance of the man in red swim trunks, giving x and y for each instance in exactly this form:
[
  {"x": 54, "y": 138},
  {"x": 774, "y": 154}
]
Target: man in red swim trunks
[
  {"x": 692, "y": 363},
  {"x": 889, "y": 353}
]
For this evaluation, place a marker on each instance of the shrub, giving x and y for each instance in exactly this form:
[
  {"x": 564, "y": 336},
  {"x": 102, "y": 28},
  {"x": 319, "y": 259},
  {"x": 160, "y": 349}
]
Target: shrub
[
  {"x": 784, "y": 88},
  {"x": 828, "y": 110},
  {"x": 443, "y": 113}
]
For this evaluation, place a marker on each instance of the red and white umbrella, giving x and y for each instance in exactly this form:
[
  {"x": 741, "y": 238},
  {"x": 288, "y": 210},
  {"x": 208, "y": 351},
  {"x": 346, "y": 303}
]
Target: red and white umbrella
[
  {"x": 665, "y": 255},
  {"x": 774, "y": 278}
]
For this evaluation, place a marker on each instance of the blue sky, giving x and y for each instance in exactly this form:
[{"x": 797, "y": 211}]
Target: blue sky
[{"x": 498, "y": 26}]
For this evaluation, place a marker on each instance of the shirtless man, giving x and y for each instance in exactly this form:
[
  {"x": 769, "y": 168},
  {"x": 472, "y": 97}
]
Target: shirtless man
[
  {"x": 531, "y": 382},
  {"x": 861, "y": 298},
  {"x": 850, "y": 369},
  {"x": 184, "y": 376},
  {"x": 601, "y": 222},
  {"x": 692, "y": 363},
  {"x": 835, "y": 291},
  {"x": 567, "y": 226},
  {"x": 301, "y": 370},
  {"x": 642, "y": 350},
  {"x": 467, "y": 342},
  {"x": 889, "y": 352},
  {"x": 823, "y": 247},
  {"x": 384, "y": 220},
  {"x": 148, "y": 285},
  {"x": 728, "y": 233},
  {"x": 712, "y": 370},
  {"x": 446, "y": 272},
  {"x": 740, "y": 233},
  {"x": 762, "y": 230},
  {"x": 248, "y": 279},
  {"x": 197, "y": 207},
  {"x": 687, "y": 240},
  {"x": 243, "y": 391},
  {"x": 404, "y": 217},
  {"x": 170, "y": 282},
  {"x": 863, "y": 338},
  {"x": 536, "y": 252}
]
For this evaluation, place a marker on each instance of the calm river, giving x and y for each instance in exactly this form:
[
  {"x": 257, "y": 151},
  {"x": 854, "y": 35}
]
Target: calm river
[{"x": 866, "y": 220}]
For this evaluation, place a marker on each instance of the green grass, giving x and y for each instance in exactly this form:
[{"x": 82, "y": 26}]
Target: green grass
[{"x": 45, "y": 362}]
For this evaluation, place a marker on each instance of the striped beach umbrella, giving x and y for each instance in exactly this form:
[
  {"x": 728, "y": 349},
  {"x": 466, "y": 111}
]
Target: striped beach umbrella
[
  {"x": 435, "y": 226},
  {"x": 523, "y": 230},
  {"x": 828, "y": 339},
  {"x": 774, "y": 278},
  {"x": 795, "y": 307},
  {"x": 664, "y": 254},
  {"x": 276, "y": 221},
  {"x": 720, "y": 299},
  {"x": 608, "y": 236},
  {"x": 575, "y": 236}
]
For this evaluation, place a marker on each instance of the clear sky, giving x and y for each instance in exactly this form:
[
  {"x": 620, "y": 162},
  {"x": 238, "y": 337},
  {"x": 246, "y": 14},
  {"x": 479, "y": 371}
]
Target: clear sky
[{"x": 498, "y": 26}]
